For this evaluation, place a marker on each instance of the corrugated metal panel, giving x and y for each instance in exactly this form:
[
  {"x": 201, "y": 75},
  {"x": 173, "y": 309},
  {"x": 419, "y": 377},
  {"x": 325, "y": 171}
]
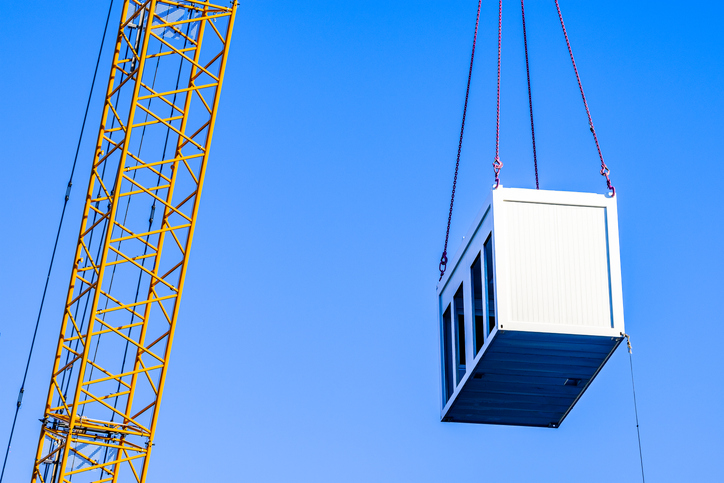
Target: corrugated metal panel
[{"x": 558, "y": 261}]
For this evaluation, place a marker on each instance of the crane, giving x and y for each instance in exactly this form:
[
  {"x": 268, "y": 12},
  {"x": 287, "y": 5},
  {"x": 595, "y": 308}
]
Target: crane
[{"x": 140, "y": 211}]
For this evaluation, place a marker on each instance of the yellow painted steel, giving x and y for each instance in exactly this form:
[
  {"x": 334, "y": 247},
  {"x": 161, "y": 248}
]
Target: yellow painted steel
[{"x": 135, "y": 236}]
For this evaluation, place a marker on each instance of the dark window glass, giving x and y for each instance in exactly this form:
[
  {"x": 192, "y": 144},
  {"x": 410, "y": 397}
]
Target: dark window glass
[
  {"x": 476, "y": 279},
  {"x": 447, "y": 354},
  {"x": 459, "y": 306},
  {"x": 490, "y": 282}
]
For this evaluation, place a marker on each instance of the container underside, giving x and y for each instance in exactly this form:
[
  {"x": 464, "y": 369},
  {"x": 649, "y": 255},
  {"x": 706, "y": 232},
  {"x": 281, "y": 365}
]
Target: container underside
[{"x": 530, "y": 378}]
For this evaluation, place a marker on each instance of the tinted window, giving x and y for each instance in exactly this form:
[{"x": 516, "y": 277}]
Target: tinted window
[
  {"x": 447, "y": 353},
  {"x": 459, "y": 306},
  {"x": 490, "y": 282},
  {"x": 476, "y": 289}
]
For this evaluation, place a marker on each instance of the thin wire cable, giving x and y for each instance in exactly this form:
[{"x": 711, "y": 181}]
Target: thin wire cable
[
  {"x": 604, "y": 169},
  {"x": 530, "y": 96},
  {"x": 636, "y": 411},
  {"x": 638, "y": 431},
  {"x": 55, "y": 244},
  {"x": 497, "y": 164},
  {"x": 443, "y": 258}
]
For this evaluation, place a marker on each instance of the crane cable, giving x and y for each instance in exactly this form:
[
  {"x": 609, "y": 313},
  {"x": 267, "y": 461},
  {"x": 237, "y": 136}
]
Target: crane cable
[
  {"x": 530, "y": 96},
  {"x": 55, "y": 245},
  {"x": 443, "y": 258},
  {"x": 497, "y": 163},
  {"x": 636, "y": 411},
  {"x": 604, "y": 169}
]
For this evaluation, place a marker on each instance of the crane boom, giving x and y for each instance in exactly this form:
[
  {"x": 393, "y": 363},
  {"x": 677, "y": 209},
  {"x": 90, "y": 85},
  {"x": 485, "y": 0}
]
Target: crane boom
[{"x": 135, "y": 236}]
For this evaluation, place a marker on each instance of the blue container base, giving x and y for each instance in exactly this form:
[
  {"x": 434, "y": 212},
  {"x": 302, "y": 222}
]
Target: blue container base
[{"x": 530, "y": 378}]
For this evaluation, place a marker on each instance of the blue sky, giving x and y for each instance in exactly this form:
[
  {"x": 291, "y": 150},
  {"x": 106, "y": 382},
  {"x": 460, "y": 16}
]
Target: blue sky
[{"x": 307, "y": 348}]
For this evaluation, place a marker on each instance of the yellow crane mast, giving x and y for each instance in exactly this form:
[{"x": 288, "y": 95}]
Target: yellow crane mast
[{"x": 135, "y": 236}]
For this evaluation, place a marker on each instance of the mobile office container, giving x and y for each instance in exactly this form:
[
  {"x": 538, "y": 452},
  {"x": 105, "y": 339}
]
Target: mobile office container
[{"x": 531, "y": 307}]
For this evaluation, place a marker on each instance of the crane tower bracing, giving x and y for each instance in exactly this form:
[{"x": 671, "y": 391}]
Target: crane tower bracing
[{"x": 135, "y": 235}]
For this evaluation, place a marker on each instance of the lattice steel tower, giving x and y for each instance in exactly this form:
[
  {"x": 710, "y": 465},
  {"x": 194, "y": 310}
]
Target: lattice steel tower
[{"x": 135, "y": 235}]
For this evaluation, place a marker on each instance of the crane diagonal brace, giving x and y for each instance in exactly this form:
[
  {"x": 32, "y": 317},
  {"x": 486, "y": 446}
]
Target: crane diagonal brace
[{"x": 128, "y": 273}]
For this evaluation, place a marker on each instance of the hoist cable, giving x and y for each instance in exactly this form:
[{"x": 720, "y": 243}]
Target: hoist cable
[
  {"x": 443, "y": 258},
  {"x": 604, "y": 169},
  {"x": 55, "y": 244},
  {"x": 636, "y": 411},
  {"x": 530, "y": 96},
  {"x": 497, "y": 164}
]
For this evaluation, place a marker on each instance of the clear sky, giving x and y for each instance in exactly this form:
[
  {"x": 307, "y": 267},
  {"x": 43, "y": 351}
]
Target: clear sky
[{"x": 307, "y": 344}]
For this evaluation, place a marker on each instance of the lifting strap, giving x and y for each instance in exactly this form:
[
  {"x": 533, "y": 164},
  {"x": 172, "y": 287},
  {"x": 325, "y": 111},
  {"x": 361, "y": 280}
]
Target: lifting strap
[
  {"x": 443, "y": 258},
  {"x": 604, "y": 169},
  {"x": 497, "y": 164},
  {"x": 530, "y": 96}
]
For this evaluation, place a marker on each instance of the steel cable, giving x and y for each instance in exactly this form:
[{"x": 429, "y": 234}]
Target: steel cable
[
  {"x": 636, "y": 411},
  {"x": 530, "y": 96},
  {"x": 497, "y": 163},
  {"x": 443, "y": 259},
  {"x": 604, "y": 169}
]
